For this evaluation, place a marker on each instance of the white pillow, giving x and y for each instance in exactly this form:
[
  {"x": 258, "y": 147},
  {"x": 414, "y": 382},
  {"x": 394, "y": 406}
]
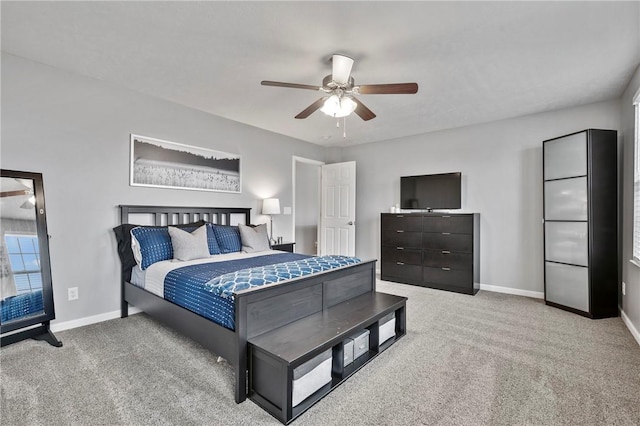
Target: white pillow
[
  {"x": 189, "y": 245},
  {"x": 254, "y": 239}
]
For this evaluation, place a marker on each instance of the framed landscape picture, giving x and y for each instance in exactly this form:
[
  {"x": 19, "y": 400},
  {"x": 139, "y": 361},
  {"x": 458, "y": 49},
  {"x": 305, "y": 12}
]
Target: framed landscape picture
[{"x": 165, "y": 164}]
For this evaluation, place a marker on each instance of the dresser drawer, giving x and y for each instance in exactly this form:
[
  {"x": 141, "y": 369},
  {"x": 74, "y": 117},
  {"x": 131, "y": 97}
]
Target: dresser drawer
[
  {"x": 447, "y": 241},
  {"x": 407, "y": 256},
  {"x": 449, "y": 277},
  {"x": 448, "y": 259},
  {"x": 411, "y": 273},
  {"x": 400, "y": 238},
  {"x": 403, "y": 222},
  {"x": 460, "y": 224}
]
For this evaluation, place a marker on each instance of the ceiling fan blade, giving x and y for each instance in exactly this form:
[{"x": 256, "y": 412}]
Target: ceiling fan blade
[
  {"x": 291, "y": 85},
  {"x": 14, "y": 193},
  {"x": 341, "y": 69},
  {"x": 388, "y": 89},
  {"x": 312, "y": 108},
  {"x": 363, "y": 112}
]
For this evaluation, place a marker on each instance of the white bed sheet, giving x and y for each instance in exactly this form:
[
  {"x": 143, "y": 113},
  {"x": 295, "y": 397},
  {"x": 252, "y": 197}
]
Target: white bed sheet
[{"x": 152, "y": 279}]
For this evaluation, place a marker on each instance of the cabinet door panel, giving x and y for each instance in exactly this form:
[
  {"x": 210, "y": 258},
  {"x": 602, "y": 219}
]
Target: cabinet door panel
[
  {"x": 459, "y": 224},
  {"x": 402, "y": 222},
  {"x": 566, "y": 157},
  {"x": 407, "y": 256},
  {"x": 446, "y": 241},
  {"x": 567, "y": 242},
  {"x": 411, "y": 273},
  {"x": 447, "y": 276},
  {"x": 449, "y": 259},
  {"x": 399, "y": 238},
  {"x": 566, "y": 199},
  {"x": 567, "y": 285}
]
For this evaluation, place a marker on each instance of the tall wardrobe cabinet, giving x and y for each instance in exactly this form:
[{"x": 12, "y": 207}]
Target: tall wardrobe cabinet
[{"x": 581, "y": 223}]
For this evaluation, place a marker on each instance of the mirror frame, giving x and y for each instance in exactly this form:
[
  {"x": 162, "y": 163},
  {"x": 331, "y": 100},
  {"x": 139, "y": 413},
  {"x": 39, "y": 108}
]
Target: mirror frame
[{"x": 45, "y": 263}]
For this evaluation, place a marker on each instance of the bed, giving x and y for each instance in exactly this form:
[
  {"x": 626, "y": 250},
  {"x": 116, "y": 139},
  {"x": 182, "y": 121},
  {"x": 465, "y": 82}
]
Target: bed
[{"x": 255, "y": 310}]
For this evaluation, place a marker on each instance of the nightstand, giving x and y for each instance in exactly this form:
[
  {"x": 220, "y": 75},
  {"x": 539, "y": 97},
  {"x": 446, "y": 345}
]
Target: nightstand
[{"x": 283, "y": 246}]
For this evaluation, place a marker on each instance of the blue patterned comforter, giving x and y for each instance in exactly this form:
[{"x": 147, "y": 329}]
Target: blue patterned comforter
[
  {"x": 228, "y": 284},
  {"x": 207, "y": 289}
]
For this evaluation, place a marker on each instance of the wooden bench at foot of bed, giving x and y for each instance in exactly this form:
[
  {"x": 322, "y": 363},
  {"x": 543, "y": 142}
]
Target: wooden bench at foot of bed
[{"x": 275, "y": 355}]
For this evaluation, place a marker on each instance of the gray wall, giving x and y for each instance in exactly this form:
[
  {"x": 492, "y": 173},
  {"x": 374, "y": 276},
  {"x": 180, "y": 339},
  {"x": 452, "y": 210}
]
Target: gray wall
[
  {"x": 630, "y": 272},
  {"x": 501, "y": 165},
  {"x": 76, "y": 130}
]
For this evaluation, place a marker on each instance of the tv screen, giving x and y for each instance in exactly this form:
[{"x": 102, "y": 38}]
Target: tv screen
[{"x": 429, "y": 192}]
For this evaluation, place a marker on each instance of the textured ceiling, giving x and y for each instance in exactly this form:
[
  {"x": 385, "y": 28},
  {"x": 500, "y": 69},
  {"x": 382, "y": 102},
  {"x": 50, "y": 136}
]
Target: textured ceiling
[{"x": 474, "y": 61}]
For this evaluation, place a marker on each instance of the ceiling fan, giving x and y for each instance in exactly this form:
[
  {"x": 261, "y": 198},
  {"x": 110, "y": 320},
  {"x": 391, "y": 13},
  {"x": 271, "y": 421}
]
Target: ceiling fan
[{"x": 339, "y": 89}]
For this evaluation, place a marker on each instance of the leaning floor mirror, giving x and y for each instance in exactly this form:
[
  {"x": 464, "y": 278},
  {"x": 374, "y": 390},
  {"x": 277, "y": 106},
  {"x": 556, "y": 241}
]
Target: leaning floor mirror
[{"x": 26, "y": 294}]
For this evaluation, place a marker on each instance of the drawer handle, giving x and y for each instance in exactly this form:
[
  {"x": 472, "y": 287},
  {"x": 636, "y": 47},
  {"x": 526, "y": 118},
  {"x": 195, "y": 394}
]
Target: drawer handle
[
  {"x": 399, "y": 230},
  {"x": 400, "y": 215},
  {"x": 446, "y": 252},
  {"x": 399, "y": 248},
  {"x": 446, "y": 216},
  {"x": 446, "y": 269},
  {"x": 399, "y": 263},
  {"x": 446, "y": 233}
]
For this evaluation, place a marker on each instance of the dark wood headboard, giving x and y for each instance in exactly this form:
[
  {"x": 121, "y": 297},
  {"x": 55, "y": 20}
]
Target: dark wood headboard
[{"x": 167, "y": 215}]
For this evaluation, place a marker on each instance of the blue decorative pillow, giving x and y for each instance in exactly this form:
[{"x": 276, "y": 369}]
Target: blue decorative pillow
[
  {"x": 214, "y": 248},
  {"x": 228, "y": 238},
  {"x": 153, "y": 244}
]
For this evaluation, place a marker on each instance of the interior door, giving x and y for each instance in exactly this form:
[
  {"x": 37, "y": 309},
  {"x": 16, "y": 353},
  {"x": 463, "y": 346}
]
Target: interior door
[{"x": 338, "y": 219}]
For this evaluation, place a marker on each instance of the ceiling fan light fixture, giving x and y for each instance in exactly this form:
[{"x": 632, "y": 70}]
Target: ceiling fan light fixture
[{"x": 338, "y": 106}]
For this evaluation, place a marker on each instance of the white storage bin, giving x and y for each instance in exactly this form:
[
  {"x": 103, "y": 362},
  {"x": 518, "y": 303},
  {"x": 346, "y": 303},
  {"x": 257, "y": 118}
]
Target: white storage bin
[
  {"x": 386, "y": 328},
  {"x": 348, "y": 352},
  {"x": 311, "y": 376},
  {"x": 360, "y": 344}
]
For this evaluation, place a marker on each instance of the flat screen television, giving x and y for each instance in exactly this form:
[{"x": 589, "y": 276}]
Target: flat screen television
[{"x": 431, "y": 192}]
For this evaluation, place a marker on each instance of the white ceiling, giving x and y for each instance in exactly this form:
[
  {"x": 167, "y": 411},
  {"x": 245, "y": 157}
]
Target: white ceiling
[{"x": 474, "y": 61}]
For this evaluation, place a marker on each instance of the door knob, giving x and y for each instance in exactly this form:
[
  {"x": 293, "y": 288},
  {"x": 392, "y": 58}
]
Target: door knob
[{"x": 350, "y": 223}]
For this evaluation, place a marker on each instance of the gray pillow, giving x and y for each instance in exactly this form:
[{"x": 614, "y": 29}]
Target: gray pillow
[
  {"x": 254, "y": 239},
  {"x": 189, "y": 246}
]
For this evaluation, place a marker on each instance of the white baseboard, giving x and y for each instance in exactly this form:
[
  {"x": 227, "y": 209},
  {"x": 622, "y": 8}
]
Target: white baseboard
[
  {"x": 634, "y": 331},
  {"x": 515, "y": 291},
  {"x": 68, "y": 325},
  {"x": 507, "y": 290}
]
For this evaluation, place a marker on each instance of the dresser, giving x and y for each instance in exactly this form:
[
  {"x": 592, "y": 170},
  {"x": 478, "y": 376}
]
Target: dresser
[
  {"x": 581, "y": 222},
  {"x": 436, "y": 250}
]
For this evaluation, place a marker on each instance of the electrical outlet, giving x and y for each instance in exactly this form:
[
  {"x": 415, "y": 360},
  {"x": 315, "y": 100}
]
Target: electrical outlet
[
  {"x": 624, "y": 288},
  {"x": 73, "y": 293}
]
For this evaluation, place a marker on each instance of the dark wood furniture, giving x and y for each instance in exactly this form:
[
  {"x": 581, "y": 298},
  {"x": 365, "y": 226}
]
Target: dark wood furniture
[
  {"x": 257, "y": 311},
  {"x": 283, "y": 246},
  {"x": 436, "y": 250},
  {"x": 274, "y": 355},
  {"x": 581, "y": 261},
  {"x": 27, "y": 217}
]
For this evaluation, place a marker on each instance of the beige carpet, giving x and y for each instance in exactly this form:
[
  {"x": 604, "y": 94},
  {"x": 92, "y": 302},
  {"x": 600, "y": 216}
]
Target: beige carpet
[{"x": 491, "y": 359}]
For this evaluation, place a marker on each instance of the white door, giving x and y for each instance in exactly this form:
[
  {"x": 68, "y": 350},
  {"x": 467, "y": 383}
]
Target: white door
[{"x": 338, "y": 218}]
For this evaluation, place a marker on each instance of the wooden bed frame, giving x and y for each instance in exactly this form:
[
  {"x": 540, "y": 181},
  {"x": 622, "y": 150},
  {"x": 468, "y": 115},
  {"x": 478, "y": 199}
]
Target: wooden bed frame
[{"x": 258, "y": 310}]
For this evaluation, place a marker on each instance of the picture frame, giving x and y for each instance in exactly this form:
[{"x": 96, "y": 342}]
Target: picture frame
[{"x": 164, "y": 164}]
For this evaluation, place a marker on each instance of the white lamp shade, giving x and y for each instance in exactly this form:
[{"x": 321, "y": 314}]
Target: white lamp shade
[
  {"x": 338, "y": 107},
  {"x": 271, "y": 206}
]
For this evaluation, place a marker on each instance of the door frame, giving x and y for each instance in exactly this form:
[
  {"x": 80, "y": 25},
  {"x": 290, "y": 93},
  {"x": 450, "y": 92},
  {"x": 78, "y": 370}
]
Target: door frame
[{"x": 295, "y": 159}]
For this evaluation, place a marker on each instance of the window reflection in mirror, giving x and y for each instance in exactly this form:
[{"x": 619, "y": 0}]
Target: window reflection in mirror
[{"x": 20, "y": 266}]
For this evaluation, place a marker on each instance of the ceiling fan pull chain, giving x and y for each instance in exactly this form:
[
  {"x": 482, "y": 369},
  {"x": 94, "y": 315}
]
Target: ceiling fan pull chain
[
  {"x": 344, "y": 127},
  {"x": 337, "y": 123}
]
